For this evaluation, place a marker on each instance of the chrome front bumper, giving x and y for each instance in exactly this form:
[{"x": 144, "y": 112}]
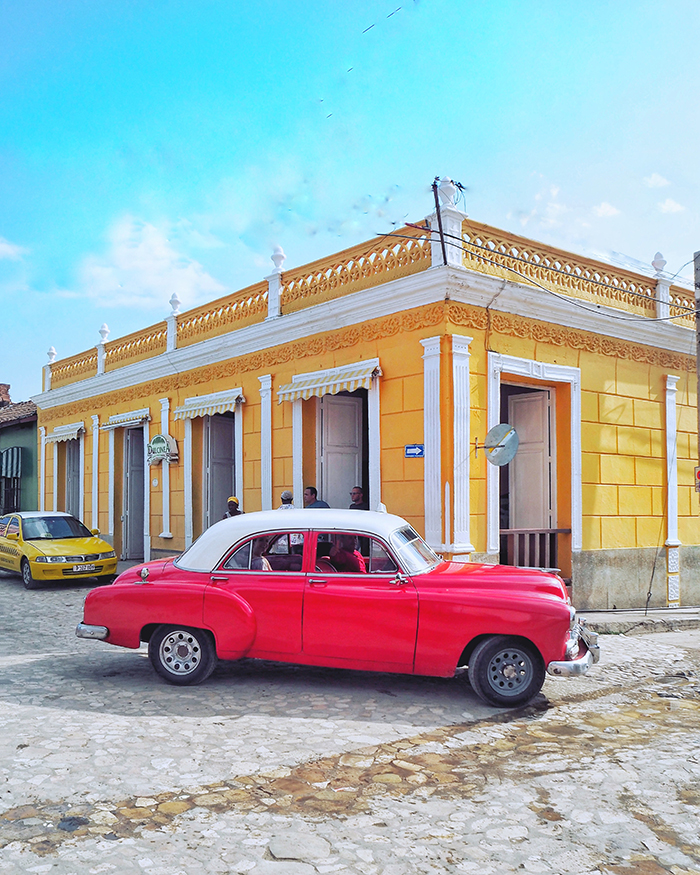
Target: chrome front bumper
[
  {"x": 576, "y": 666},
  {"x": 99, "y": 633}
]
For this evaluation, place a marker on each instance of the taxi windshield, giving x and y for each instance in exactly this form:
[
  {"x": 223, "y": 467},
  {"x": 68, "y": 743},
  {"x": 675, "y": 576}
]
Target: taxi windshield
[
  {"x": 52, "y": 528},
  {"x": 416, "y": 555}
]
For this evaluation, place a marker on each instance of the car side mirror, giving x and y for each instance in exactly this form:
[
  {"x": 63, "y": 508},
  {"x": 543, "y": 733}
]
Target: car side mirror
[
  {"x": 94, "y": 531},
  {"x": 13, "y": 536}
]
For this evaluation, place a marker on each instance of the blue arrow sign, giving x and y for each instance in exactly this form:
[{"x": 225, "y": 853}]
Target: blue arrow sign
[{"x": 414, "y": 451}]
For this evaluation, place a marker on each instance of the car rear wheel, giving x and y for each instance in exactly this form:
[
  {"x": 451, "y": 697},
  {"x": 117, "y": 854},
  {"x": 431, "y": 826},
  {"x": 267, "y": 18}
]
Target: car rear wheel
[
  {"x": 181, "y": 655},
  {"x": 27, "y": 579},
  {"x": 506, "y": 672}
]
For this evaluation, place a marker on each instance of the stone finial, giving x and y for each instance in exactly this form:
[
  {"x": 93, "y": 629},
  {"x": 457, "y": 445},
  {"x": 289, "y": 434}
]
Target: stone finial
[
  {"x": 51, "y": 354},
  {"x": 659, "y": 263},
  {"x": 104, "y": 332},
  {"x": 447, "y": 190},
  {"x": 278, "y": 258},
  {"x": 175, "y": 303}
]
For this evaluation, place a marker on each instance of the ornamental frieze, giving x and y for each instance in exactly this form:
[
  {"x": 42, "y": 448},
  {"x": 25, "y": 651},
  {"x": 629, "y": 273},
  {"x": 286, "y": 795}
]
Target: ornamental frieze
[{"x": 541, "y": 332}]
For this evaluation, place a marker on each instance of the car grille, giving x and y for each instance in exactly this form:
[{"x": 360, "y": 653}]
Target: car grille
[{"x": 77, "y": 560}]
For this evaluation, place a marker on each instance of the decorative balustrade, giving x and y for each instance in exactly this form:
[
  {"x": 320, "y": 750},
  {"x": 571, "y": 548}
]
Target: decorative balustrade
[
  {"x": 377, "y": 261},
  {"x": 226, "y": 314},
  {"x": 134, "y": 347},
  {"x": 492, "y": 251},
  {"x": 73, "y": 369},
  {"x": 408, "y": 251},
  {"x": 682, "y": 305}
]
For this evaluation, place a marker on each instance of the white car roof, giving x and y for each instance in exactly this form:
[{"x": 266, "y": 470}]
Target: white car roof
[{"x": 212, "y": 544}]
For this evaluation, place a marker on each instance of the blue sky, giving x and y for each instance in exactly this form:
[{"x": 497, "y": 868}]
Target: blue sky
[{"x": 149, "y": 146}]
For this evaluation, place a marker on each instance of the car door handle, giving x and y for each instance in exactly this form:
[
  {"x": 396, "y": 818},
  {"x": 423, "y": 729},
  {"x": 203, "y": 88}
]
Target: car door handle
[
  {"x": 318, "y": 583},
  {"x": 219, "y": 579}
]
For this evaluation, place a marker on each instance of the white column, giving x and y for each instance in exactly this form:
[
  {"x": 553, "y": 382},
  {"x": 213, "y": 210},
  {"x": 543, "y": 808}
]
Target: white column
[
  {"x": 432, "y": 490},
  {"x": 493, "y": 417},
  {"x": 375, "y": 445},
  {"x": 165, "y": 474},
  {"x": 238, "y": 451},
  {"x": 55, "y": 476},
  {"x": 81, "y": 488},
  {"x": 171, "y": 323},
  {"x": 672, "y": 542},
  {"x": 298, "y": 452},
  {"x": 452, "y": 219},
  {"x": 95, "y": 470},
  {"x": 110, "y": 486},
  {"x": 146, "y": 495},
  {"x": 274, "y": 284},
  {"x": 42, "y": 469},
  {"x": 663, "y": 287},
  {"x": 266, "y": 442},
  {"x": 187, "y": 476},
  {"x": 104, "y": 334},
  {"x": 462, "y": 411}
]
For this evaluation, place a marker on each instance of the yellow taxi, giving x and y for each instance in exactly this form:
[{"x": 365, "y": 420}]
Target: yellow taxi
[{"x": 53, "y": 546}]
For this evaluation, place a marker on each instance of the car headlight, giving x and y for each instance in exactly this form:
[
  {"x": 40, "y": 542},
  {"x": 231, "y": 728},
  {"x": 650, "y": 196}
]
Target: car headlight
[
  {"x": 50, "y": 559},
  {"x": 109, "y": 555}
]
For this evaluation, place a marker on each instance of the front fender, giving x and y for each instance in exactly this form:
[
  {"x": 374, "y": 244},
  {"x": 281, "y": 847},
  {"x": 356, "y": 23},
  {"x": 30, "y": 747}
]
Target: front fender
[{"x": 231, "y": 619}]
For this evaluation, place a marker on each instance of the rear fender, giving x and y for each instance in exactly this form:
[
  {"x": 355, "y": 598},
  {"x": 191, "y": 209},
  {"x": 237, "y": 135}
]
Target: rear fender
[{"x": 231, "y": 619}]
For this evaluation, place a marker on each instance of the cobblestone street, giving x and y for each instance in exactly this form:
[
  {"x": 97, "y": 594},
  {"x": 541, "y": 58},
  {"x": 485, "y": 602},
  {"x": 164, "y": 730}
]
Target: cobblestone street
[{"x": 277, "y": 770}]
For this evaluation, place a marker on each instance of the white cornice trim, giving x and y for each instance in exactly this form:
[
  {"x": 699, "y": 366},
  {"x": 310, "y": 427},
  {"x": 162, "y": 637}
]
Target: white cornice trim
[{"x": 419, "y": 289}]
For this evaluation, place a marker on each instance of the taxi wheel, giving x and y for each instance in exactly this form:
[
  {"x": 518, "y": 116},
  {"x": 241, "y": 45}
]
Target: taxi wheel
[
  {"x": 506, "y": 672},
  {"x": 27, "y": 579},
  {"x": 182, "y": 655}
]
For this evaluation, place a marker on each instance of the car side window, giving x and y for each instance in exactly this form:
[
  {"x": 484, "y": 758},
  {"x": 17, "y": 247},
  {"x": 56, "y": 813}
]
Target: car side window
[
  {"x": 3, "y": 525},
  {"x": 278, "y": 551},
  {"x": 379, "y": 559},
  {"x": 13, "y": 526},
  {"x": 339, "y": 553}
]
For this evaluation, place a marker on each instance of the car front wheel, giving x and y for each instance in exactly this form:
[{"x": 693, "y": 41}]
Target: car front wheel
[
  {"x": 27, "y": 578},
  {"x": 181, "y": 655},
  {"x": 506, "y": 672}
]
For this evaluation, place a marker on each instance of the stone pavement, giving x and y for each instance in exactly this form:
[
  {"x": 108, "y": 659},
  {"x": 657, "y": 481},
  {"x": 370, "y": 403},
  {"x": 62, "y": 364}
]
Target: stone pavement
[{"x": 271, "y": 769}]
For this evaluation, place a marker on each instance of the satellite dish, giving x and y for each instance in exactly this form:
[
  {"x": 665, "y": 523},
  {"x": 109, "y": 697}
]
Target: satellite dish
[{"x": 501, "y": 444}]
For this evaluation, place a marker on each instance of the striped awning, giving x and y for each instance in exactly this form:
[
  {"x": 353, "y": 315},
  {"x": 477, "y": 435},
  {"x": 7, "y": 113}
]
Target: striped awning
[
  {"x": 127, "y": 420},
  {"x": 11, "y": 462},
  {"x": 346, "y": 378},
  {"x": 65, "y": 433},
  {"x": 207, "y": 405}
]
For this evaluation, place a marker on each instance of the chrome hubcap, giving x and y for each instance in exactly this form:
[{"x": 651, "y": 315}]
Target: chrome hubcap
[{"x": 180, "y": 652}]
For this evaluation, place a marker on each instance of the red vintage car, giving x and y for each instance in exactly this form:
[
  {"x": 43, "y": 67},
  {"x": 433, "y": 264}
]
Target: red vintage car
[{"x": 345, "y": 589}]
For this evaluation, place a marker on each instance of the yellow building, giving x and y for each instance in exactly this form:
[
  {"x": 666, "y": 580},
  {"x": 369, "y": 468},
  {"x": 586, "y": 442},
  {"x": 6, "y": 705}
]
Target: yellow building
[{"x": 385, "y": 366}]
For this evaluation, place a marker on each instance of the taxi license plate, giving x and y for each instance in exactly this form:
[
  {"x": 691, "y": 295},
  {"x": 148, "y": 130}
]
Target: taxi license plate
[{"x": 83, "y": 568}]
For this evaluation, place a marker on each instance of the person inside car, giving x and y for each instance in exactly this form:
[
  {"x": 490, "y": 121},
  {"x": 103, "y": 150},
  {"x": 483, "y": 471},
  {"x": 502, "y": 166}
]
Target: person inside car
[{"x": 345, "y": 555}]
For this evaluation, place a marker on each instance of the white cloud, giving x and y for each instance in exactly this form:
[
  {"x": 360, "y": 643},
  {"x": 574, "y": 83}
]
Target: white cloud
[
  {"x": 605, "y": 210},
  {"x": 655, "y": 181},
  {"x": 11, "y": 251},
  {"x": 671, "y": 206},
  {"x": 142, "y": 269}
]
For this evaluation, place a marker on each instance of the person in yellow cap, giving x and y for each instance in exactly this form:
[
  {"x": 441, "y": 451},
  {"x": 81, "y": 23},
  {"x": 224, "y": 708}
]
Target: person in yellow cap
[{"x": 233, "y": 508}]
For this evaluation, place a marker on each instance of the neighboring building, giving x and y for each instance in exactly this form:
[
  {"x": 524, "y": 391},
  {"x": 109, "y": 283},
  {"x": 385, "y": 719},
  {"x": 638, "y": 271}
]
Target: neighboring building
[
  {"x": 18, "y": 446},
  {"x": 385, "y": 366}
]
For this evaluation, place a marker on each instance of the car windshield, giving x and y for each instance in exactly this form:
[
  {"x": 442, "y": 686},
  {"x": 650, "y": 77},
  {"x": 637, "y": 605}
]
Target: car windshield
[
  {"x": 415, "y": 554},
  {"x": 52, "y": 528}
]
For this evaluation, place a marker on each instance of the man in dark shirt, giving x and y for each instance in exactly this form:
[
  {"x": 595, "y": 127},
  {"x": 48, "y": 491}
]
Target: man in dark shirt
[
  {"x": 358, "y": 499},
  {"x": 311, "y": 498}
]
